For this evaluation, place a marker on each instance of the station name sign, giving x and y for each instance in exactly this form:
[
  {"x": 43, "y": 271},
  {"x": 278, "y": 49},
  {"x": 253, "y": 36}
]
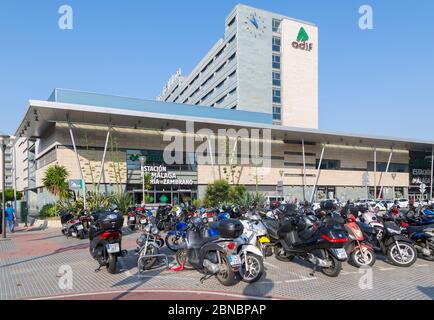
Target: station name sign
[{"x": 161, "y": 176}]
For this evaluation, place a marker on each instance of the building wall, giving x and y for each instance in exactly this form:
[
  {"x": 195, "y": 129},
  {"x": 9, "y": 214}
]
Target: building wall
[{"x": 299, "y": 76}]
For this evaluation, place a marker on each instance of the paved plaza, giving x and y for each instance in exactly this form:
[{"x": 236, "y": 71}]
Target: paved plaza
[{"x": 31, "y": 265}]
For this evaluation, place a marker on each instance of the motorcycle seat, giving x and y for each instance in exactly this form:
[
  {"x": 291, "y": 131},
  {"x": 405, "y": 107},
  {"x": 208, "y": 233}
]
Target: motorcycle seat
[
  {"x": 205, "y": 241},
  {"x": 272, "y": 227}
]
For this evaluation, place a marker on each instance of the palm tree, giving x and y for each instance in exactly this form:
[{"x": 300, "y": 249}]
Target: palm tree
[{"x": 55, "y": 182}]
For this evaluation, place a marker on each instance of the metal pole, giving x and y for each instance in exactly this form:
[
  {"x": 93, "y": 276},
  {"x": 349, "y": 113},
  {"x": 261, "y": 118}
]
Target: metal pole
[
  {"x": 3, "y": 190},
  {"x": 14, "y": 155},
  {"x": 304, "y": 170},
  {"x": 432, "y": 172},
  {"x": 375, "y": 174},
  {"x": 387, "y": 171},
  {"x": 103, "y": 158},
  {"x": 79, "y": 166},
  {"x": 318, "y": 173}
]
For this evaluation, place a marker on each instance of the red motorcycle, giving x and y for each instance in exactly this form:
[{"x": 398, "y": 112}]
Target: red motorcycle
[{"x": 360, "y": 253}]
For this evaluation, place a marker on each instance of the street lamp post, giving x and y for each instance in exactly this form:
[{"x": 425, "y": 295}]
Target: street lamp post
[
  {"x": 3, "y": 139},
  {"x": 394, "y": 189},
  {"x": 142, "y": 171}
]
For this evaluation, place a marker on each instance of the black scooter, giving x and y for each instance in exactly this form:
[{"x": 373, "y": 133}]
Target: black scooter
[
  {"x": 390, "y": 241},
  {"x": 213, "y": 256},
  {"x": 318, "y": 242},
  {"x": 105, "y": 237}
]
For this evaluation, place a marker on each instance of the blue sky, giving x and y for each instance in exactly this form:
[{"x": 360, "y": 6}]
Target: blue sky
[{"x": 378, "y": 81}]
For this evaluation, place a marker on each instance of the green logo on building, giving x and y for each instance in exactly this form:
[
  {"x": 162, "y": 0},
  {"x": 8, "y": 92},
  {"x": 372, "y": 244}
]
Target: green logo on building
[
  {"x": 301, "y": 42},
  {"x": 302, "y": 35}
]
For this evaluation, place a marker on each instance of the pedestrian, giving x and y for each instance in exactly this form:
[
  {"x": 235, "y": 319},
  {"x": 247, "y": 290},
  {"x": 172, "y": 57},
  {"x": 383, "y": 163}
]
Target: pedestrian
[{"x": 10, "y": 218}]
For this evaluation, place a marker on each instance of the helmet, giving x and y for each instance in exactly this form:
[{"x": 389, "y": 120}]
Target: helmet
[
  {"x": 169, "y": 208},
  {"x": 236, "y": 210}
]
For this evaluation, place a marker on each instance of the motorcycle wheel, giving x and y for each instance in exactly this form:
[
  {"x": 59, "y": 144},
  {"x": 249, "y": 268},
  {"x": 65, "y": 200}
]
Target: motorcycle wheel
[
  {"x": 357, "y": 258},
  {"x": 226, "y": 277},
  {"x": 410, "y": 254},
  {"x": 148, "y": 263},
  {"x": 80, "y": 235},
  {"x": 112, "y": 263},
  {"x": 281, "y": 255},
  {"x": 335, "y": 269},
  {"x": 256, "y": 266},
  {"x": 132, "y": 227},
  {"x": 171, "y": 242},
  {"x": 431, "y": 257},
  {"x": 181, "y": 258}
]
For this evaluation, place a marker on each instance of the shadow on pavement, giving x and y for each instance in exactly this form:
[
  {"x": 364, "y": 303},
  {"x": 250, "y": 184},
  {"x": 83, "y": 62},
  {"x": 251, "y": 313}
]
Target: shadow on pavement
[
  {"x": 429, "y": 291},
  {"x": 261, "y": 289}
]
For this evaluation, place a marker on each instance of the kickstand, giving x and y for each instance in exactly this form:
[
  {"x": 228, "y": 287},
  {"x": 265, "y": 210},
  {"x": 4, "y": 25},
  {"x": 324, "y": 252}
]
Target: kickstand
[
  {"x": 98, "y": 270},
  {"x": 312, "y": 274},
  {"x": 205, "y": 277}
]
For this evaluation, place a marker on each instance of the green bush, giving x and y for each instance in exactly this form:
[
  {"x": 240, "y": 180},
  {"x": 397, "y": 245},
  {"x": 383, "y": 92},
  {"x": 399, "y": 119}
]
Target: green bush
[{"x": 48, "y": 211}]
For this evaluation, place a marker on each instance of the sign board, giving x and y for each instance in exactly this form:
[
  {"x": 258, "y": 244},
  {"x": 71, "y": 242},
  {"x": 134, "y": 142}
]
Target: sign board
[
  {"x": 422, "y": 188},
  {"x": 75, "y": 184}
]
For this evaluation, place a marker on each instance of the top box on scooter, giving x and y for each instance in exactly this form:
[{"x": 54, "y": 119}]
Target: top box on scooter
[
  {"x": 109, "y": 220},
  {"x": 230, "y": 228},
  {"x": 66, "y": 216}
]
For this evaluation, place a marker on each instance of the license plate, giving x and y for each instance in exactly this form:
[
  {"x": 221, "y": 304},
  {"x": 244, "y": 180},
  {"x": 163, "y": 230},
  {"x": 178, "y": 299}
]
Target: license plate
[
  {"x": 79, "y": 227},
  {"x": 113, "y": 248},
  {"x": 143, "y": 221},
  {"x": 132, "y": 218},
  {"x": 235, "y": 260},
  {"x": 210, "y": 219},
  {"x": 341, "y": 254}
]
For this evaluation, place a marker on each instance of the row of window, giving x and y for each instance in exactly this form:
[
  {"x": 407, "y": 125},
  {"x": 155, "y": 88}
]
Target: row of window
[
  {"x": 218, "y": 54},
  {"x": 206, "y": 96}
]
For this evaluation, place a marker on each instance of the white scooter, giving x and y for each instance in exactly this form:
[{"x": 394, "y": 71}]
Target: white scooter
[{"x": 252, "y": 265}]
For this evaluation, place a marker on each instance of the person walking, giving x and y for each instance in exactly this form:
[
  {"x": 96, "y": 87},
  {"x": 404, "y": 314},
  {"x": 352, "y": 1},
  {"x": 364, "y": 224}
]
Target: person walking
[{"x": 10, "y": 218}]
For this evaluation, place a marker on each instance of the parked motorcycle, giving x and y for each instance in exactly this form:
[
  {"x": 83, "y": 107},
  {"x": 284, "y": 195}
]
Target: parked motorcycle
[
  {"x": 318, "y": 242},
  {"x": 149, "y": 244},
  {"x": 105, "y": 237},
  {"x": 423, "y": 237},
  {"x": 132, "y": 218},
  {"x": 386, "y": 237},
  {"x": 360, "y": 253},
  {"x": 72, "y": 226},
  {"x": 214, "y": 256},
  {"x": 252, "y": 258}
]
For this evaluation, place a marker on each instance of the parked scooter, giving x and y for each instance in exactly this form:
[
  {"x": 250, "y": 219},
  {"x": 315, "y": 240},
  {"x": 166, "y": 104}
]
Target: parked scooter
[
  {"x": 215, "y": 256},
  {"x": 423, "y": 237},
  {"x": 105, "y": 237},
  {"x": 132, "y": 218},
  {"x": 72, "y": 226},
  {"x": 252, "y": 258},
  {"x": 318, "y": 242},
  {"x": 361, "y": 254}
]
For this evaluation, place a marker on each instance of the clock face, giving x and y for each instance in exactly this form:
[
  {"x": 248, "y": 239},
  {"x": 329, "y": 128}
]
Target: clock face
[{"x": 255, "y": 25}]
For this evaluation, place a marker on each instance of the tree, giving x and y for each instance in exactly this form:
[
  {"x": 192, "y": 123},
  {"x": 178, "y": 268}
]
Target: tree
[
  {"x": 9, "y": 195},
  {"x": 217, "y": 193},
  {"x": 55, "y": 181}
]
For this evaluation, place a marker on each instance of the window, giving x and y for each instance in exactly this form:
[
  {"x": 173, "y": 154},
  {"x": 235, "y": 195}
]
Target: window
[
  {"x": 221, "y": 84},
  {"x": 220, "y": 53},
  {"x": 234, "y": 107},
  {"x": 232, "y": 91},
  {"x": 329, "y": 164},
  {"x": 276, "y": 25},
  {"x": 277, "y": 113},
  {"x": 276, "y": 79},
  {"x": 232, "y": 22},
  {"x": 220, "y": 68},
  {"x": 221, "y": 100},
  {"x": 207, "y": 80},
  {"x": 194, "y": 93},
  {"x": 208, "y": 95},
  {"x": 276, "y": 44},
  {"x": 394, "y": 167},
  {"x": 232, "y": 74},
  {"x": 232, "y": 57},
  {"x": 276, "y": 62},
  {"x": 276, "y": 96},
  {"x": 232, "y": 39}
]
